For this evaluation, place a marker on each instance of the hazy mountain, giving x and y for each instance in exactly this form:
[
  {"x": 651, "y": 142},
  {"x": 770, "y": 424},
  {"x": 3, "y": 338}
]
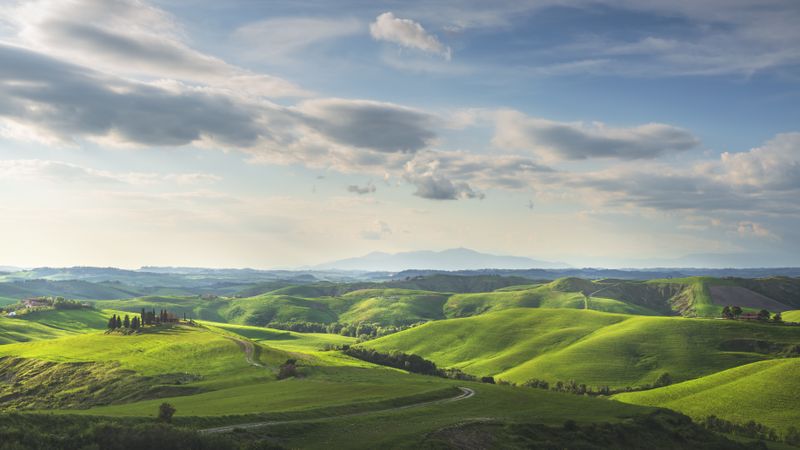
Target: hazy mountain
[{"x": 452, "y": 259}]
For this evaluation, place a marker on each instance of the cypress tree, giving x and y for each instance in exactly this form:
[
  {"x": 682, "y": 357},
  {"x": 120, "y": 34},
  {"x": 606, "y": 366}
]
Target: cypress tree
[
  {"x": 112, "y": 321},
  {"x": 127, "y": 322}
]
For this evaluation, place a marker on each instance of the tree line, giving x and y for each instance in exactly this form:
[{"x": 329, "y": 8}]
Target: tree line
[
  {"x": 146, "y": 318},
  {"x": 735, "y": 312},
  {"x": 362, "y": 330}
]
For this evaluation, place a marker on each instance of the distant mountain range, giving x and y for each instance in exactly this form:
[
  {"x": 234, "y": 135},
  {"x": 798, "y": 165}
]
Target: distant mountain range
[{"x": 452, "y": 259}]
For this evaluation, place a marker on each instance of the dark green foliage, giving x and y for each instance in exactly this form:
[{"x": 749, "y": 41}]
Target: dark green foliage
[
  {"x": 663, "y": 380},
  {"x": 727, "y": 313},
  {"x": 751, "y": 429},
  {"x": 736, "y": 311},
  {"x": 659, "y": 430},
  {"x": 398, "y": 360},
  {"x": 489, "y": 380},
  {"x": 777, "y": 318},
  {"x": 165, "y": 412},
  {"x": 362, "y": 330},
  {"x": 127, "y": 322},
  {"x": 288, "y": 369},
  {"x": 45, "y": 432}
]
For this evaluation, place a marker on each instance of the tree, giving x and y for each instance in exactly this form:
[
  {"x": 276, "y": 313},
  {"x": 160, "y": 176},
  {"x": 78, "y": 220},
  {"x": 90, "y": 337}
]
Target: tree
[
  {"x": 664, "y": 379},
  {"x": 112, "y": 322},
  {"x": 736, "y": 311},
  {"x": 727, "y": 313},
  {"x": 763, "y": 315},
  {"x": 165, "y": 412},
  {"x": 777, "y": 318},
  {"x": 127, "y": 322},
  {"x": 288, "y": 369},
  {"x": 489, "y": 380}
]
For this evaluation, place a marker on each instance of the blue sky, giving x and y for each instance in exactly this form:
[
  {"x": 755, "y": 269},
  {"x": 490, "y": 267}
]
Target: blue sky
[{"x": 280, "y": 134}]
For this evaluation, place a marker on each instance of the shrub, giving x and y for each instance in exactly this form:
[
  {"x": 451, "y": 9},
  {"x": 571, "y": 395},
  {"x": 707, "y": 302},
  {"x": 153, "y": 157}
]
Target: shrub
[{"x": 165, "y": 412}]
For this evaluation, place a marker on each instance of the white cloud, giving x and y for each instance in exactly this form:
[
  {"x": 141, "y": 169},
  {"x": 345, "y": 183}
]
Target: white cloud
[
  {"x": 407, "y": 33},
  {"x": 775, "y": 165},
  {"x": 63, "y": 172},
  {"x": 748, "y": 229},
  {"x": 130, "y": 37},
  {"x": 285, "y": 36},
  {"x": 578, "y": 140}
]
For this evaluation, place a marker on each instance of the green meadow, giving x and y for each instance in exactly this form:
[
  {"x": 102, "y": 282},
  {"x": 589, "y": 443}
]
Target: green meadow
[
  {"x": 222, "y": 368},
  {"x": 765, "y": 391}
]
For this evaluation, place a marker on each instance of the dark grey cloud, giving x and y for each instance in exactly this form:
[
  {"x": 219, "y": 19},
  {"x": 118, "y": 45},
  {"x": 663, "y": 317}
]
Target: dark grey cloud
[
  {"x": 383, "y": 127},
  {"x": 68, "y": 100},
  {"x": 436, "y": 187},
  {"x": 361, "y": 190},
  {"x": 574, "y": 141},
  {"x": 440, "y": 175}
]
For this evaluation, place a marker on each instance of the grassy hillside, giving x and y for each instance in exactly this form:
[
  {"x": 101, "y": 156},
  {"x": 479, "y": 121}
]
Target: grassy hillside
[
  {"x": 565, "y": 293},
  {"x": 791, "y": 316},
  {"x": 193, "y": 306},
  {"x": 15, "y": 330},
  {"x": 765, "y": 391},
  {"x": 587, "y": 346}
]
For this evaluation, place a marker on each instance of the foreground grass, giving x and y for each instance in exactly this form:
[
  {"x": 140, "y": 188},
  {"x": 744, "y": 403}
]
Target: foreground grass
[
  {"x": 407, "y": 427},
  {"x": 767, "y": 392}
]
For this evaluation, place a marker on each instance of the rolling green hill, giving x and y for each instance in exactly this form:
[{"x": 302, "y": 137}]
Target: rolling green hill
[
  {"x": 765, "y": 391},
  {"x": 594, "y": 348},
  {"x": 791, "y": 316}
]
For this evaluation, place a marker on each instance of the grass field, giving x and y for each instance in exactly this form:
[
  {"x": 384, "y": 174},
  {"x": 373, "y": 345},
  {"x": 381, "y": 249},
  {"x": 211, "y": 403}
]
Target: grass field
[
  {"x": 765, "y": 391},
  {"x": 594, "y": 348},
  {"x": 791, "y": 316},
  {"x": 406, "y": 428}
]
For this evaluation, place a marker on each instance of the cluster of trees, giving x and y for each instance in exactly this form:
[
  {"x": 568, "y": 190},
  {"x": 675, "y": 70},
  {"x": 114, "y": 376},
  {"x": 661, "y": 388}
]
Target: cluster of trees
[
  {"x": 116, "y": 322},
  {"x": 62, "y": 303},
  {"x": 146, "y": 318},
  {"x": 398, "y": 360},
  {"x": 735, "y": 312},
  {"x": 410, "y": 363},
  {"x": 362, "y": 330},
  {"x": 572, "y": 387},
  {"x": 751, "y": 429}
]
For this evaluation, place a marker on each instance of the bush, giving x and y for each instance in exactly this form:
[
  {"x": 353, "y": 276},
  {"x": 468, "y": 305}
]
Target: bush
[
  {"x": 288, "y": 369},
  {"x": 165, "y": 412}
]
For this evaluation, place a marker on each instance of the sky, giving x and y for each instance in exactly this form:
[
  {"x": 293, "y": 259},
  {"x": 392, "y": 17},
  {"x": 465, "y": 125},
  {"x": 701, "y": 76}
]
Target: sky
[{"x": 273, "y": 134}]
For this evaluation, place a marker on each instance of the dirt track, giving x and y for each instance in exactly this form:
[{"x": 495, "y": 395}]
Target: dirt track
[
  {"x": 739, "y": 296},
  {"x": 465, "y": 394}
]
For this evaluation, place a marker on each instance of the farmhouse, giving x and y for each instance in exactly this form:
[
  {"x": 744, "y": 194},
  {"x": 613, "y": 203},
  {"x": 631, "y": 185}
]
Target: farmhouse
[
  {"x": 34, "y": 302},
  {"x": 749, "y": 316}
]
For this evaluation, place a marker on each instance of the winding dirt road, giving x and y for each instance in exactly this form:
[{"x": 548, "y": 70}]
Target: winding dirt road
[
  {"x": 248, "y": 348},
  {"x": 465, "y": 394}
]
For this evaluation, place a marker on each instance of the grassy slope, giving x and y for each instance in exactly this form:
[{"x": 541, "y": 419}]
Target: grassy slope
[
  {"x": 564, "y": 293},
  {"x": 50, "y": 324},
  {"x": 15, "y": 330},
  {"x": 766, "y": 391},
  {"x": 587, "y": 346},
  {"x": 193, "y": 306},
  {"x": 791, "y": 316}
]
